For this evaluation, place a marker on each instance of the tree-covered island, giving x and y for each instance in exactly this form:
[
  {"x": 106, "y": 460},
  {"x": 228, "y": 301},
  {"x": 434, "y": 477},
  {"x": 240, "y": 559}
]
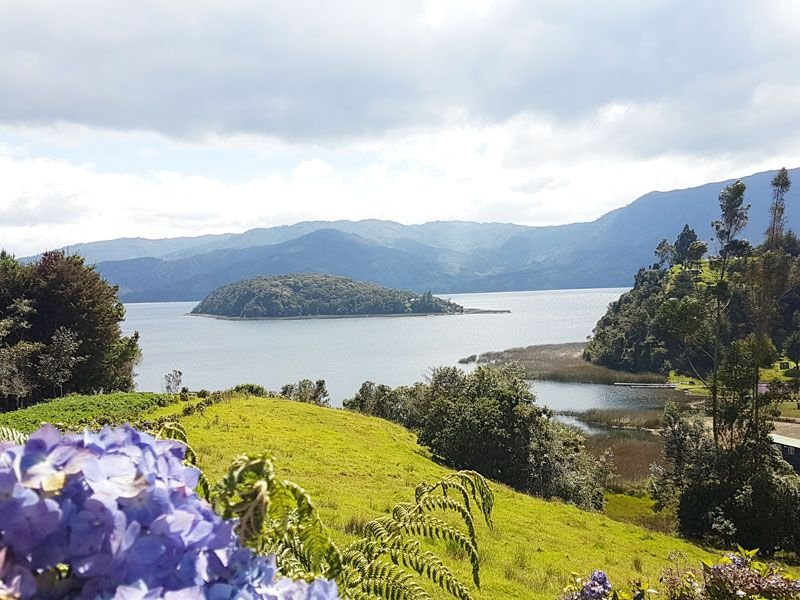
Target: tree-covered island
[{"x": 316, "y": 295}]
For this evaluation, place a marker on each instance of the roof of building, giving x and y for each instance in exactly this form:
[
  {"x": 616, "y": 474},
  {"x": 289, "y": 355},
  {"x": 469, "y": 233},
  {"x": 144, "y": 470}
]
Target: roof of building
[{"x": 785, "y": 441}]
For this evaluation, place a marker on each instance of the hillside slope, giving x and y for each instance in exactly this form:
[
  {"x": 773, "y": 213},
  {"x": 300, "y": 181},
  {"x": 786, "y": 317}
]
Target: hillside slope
[
  {"x": 324, "y": 251},
  {"x": 356, "y": 466}
]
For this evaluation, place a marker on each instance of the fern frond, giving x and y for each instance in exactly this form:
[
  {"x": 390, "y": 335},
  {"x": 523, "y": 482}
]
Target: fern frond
[
  {"x": 470, "y": 484},
  {"x": 390, "y": 581},
  {"x": 278, "y": 516},
  {"x": 432, "y": 567},
  {"x": 433, "y": 528},
  {"x": 9, "y": 434},
  {"x": 443, "y": 503}
]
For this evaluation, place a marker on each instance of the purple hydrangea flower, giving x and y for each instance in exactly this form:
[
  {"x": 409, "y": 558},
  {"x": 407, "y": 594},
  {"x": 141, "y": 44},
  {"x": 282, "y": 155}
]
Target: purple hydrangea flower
[{"x": 118, "y": 507}]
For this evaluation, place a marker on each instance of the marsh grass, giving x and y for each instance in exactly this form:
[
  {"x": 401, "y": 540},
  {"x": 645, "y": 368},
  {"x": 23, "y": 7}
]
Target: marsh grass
[
  {"x": 633, "y": 453},
  {"x": 564, "y": 363},
  {"x": 621, "y": 418}
]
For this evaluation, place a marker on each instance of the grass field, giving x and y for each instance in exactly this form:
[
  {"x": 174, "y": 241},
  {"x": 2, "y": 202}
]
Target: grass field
[
  {"x": 75, "y": 411},
  {"x": 357, "y": 467}
]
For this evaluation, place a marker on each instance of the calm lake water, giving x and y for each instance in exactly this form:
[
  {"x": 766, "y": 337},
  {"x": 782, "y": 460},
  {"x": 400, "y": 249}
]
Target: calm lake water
[{"x": 216, "y": 354}]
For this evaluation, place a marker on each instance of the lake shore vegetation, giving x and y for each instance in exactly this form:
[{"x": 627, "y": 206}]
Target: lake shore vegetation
[{"x": 561, "y": 362}]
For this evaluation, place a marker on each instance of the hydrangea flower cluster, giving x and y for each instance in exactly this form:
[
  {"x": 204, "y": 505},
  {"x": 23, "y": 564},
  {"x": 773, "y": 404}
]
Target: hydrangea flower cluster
[
  {"x": 740, "y": 576},
  {"x": 597, "y": 587},
  {"x": 114, "y": 515}
]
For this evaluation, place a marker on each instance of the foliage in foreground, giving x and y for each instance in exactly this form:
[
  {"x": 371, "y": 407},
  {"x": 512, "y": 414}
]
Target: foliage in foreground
[
  {"x": 117, "y": 496},
  {"x": 277, "y": 517},
  {"x": 114, "y": 514},
  {"x": 488, "y": 421}
]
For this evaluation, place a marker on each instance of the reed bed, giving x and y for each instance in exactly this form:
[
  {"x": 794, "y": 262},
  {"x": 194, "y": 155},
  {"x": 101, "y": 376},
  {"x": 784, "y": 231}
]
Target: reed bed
[{"x": 561, "y": 362}]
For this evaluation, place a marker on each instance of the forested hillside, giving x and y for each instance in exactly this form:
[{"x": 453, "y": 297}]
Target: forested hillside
[
  {"x": 308, "y": 295},
  {"x": 443, "y": 256}
]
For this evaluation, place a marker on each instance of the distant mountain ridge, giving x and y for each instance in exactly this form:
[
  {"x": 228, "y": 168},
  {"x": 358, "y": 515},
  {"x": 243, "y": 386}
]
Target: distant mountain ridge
[{"x": 445, "y": 256}]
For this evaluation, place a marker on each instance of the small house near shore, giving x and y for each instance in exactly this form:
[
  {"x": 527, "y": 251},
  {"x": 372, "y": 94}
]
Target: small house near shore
[{"x": 790, "y": 449}]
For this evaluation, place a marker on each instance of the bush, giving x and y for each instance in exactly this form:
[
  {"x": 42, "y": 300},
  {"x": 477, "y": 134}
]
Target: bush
[
  {"x": 488, "y": 421},
  {"x": 734, "y": 576},
  {"x": 249, "y": 389},
  {"x": 307, "y": 391},
  {"x": 401, "y": 405}
]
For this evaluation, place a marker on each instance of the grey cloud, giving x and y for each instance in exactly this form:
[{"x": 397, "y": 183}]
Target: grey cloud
[{"x": 317, "y": 71}]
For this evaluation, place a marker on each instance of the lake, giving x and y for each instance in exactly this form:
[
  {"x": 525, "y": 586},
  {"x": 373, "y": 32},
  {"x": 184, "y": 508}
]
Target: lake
[{"x": 217, "y": 354}]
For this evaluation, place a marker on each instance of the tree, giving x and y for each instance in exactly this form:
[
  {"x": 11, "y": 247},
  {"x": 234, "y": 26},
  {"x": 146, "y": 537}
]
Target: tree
[
  {"x": 59, "y": 293},
  {"x": 684, "y": 240},
  {"x": 307, "y": 391},
  {"x": 172, "y": 382},
  {"x": 58, "y": 361},
  {"x": 791, "y": 348},
  {"x": 481, "y": 421},
  {"x": 665, "y": 253},
  {"x": 777, "y": 210},
  {"x": 487, "y": 421},
  {"x": 732, "y": 221},
  {"x": 695, "y": 253}
]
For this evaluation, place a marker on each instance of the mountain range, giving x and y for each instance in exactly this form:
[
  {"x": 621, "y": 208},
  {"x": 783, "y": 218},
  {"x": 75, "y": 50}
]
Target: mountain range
[{"x": 443, "y": 256}]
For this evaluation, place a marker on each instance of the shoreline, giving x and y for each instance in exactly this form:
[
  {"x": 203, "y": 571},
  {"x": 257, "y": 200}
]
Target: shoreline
[{"x": 466, "y": 311}]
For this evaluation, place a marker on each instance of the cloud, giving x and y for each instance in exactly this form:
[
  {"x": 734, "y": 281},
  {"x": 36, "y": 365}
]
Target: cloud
[
  {"x": 456, "y": 172},
  {"x": 332, "y": 71},
  {"x": 157, "y": 119}
]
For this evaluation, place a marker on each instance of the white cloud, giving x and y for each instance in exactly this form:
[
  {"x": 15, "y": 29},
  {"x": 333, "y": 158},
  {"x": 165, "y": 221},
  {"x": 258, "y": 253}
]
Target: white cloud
[{"x": 158, "y": 119}]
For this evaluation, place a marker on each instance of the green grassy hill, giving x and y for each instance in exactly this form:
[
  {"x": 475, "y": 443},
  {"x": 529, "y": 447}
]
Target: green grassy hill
[{"x": 358, "y": 467}]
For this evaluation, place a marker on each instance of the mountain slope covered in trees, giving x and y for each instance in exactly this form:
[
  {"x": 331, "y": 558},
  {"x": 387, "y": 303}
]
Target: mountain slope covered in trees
[{"x": 448, "y": 256}]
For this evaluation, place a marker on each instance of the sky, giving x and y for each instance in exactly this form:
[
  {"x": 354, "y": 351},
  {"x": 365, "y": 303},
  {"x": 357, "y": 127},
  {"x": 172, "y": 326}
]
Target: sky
[{"x": 160, "y": 119}]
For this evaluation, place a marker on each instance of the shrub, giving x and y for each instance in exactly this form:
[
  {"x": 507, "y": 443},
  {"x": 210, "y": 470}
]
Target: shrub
[
  {"x": 307, "y": 391},
  {"x": 737, "y": 575},
  {"x": 734, "y": 576},
  {"x": 487, "y": 421},
  {"x": 249, "y": 389}
]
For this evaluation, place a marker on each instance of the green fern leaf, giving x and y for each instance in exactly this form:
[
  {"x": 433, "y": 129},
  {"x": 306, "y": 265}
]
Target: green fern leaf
[{"x": 9, "y": 434}]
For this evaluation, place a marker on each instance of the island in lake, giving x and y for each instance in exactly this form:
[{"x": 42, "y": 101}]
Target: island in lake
[{"x": 311, "y": 295}]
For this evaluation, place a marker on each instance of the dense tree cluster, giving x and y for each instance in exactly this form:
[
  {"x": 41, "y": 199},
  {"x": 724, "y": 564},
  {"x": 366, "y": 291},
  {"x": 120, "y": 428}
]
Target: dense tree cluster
[
  {"x": 312, "y": 294},
  {"x": 60, "y": 331},
  {"x": 720, "y": 321},
  {"x": 488, "y": 421},
  {"x": 683, "y": 310}
]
